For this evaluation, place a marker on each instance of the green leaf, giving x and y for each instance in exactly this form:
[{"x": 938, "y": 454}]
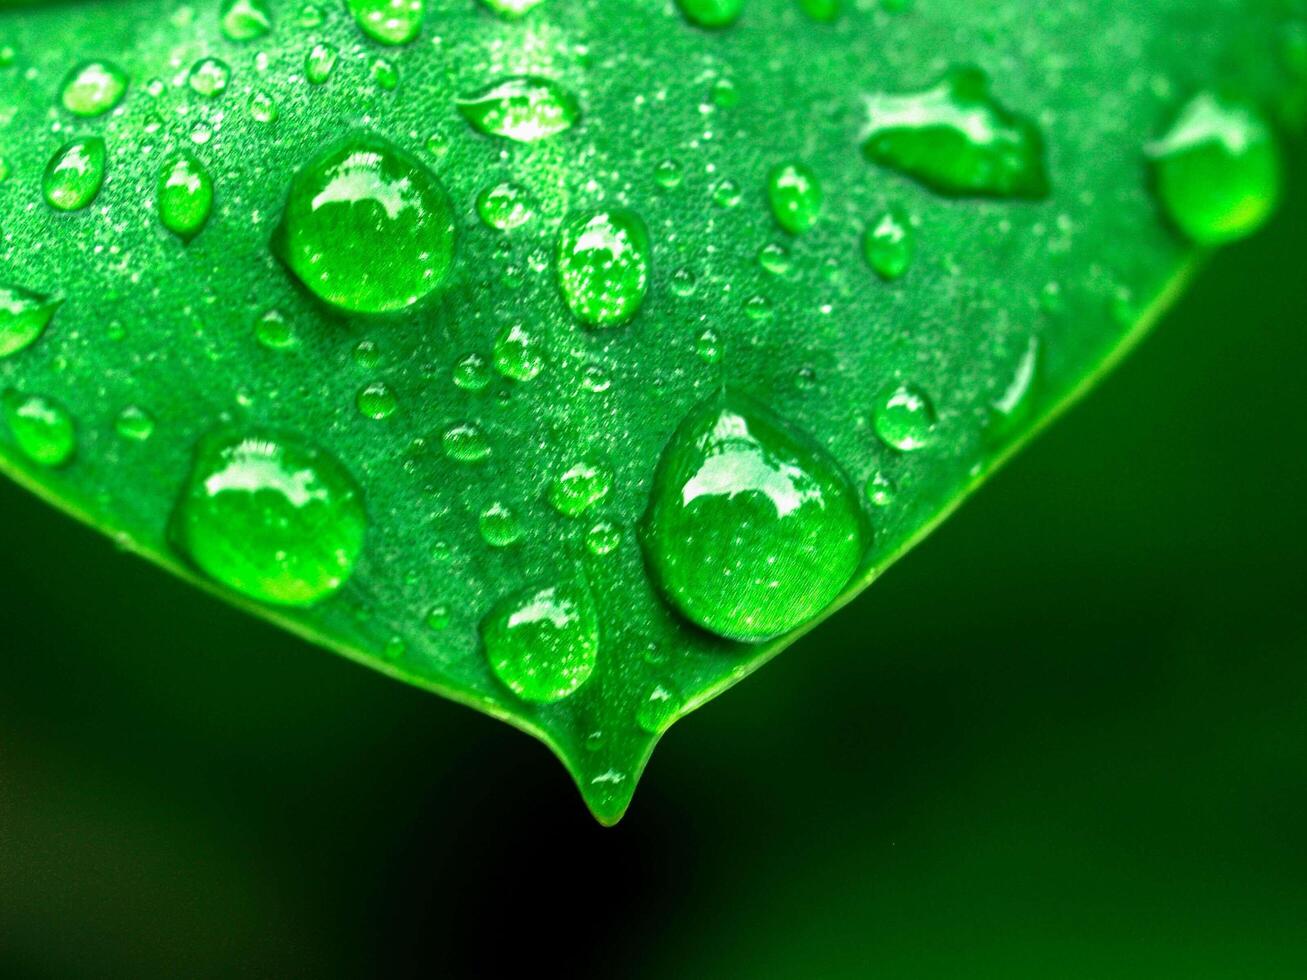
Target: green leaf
[{"x": 569, "y": 359}]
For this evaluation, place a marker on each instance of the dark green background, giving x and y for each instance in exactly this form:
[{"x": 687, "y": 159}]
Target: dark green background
[{"x": 1066, "y": 738}]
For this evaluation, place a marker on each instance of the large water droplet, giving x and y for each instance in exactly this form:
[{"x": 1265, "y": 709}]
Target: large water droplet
[
  {"x": 185, "y": 196},
  {"x": 271, "y": 517},
  {"x": 367, "y": 227},
  {"x": 603, "y": 266},
  {"x": 712, "y": 14},
  {"x": 751, "y": 531},
  {"x": 388, "y": 21},
  {"x": 904, "y": 418},
  {"x": 795, "y": 197},
  {"x": 41, "y": 426},
  {"x": 244, "y": 20},
  {"x": 543, "y": 643},
  {"x": 93, "y": 88},
  {"x": 526, "y": 109},
  {"x": 1217, "y": 170},
  {"x": 957, "y": 139},
  {"x": 74, "y": 174},
  {"x": 24, "y": 316}
]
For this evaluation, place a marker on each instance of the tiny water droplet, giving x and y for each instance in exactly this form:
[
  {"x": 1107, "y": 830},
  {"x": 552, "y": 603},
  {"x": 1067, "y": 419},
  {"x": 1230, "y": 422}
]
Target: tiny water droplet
[
  {"x": 505, "y": 207},
  {"x": 319, "y": 63},
  {"x": 391, "y": 22},
  {"x": 822, "y": 11},
  {"x": 499, "y": 526},
  {"x": 517, "y": 353},
  {"x": 603, "y": 266},
  {"x": 24, "y": 315},
  {"x": 394, "y": 648},
  {"x": 580, "y": 487},
  {"x": 543, "y": 643},
  {"x": 74, "y": 174},
  {"x": 376, "y": 401},
  {"x": 751, "y": 529},
  {"x": 185, "y": 196},
  {"x": 795, "y": 196},
  {"x": 724, "y": 94},
  {"x": 271, "y": 517},
  {"x": 93, "y": 88},
  {"x": 1217, "y": 170},
  {"x": 209, "y": 77},
  {"x": 956, "y": 139},
  {"x": 367, "y": 227},
  {"x": 712, "y": 14},
  {"x": 41, "y": 426},
  {"x": 134, "y": 424},
  {"x": 465, "y": 443},
  {"x": 525, "y": 109},
  {"x": 245, "y": 20},
  {"x": 888, "y": 245},
  {"x": 904, "y": 418}
]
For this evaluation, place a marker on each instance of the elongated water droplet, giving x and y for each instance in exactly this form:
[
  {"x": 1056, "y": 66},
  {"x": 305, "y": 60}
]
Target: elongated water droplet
[
  {"x": 603, "y": 266},
  {"x": 518, "y": 354},
  {"x": 505, "y": 207},
  {"x": 244, "y": 20},
  {"x": 525, "y": 109},
  {"x": 1014, "y": 404},
  {"x": 543, "y": 643},
  {"x": 74, "y": 174},
  {"x": 41, "y": 426},
  {"x": 888, "y": 245},
  {"x": 319, "y": 63},
  {"x": 751, "y": 531},
  {"x": 956, "y": 139},
  {"x": 271, "y": 517},
  {"x": 367, "y": 227},
  {"x": 1217, "y": 170},
  {"x": 185, "y": 196},
  {"x": 795, "y": 197},
  {"x": 388, "y": 21},
  {"x": 904, "y": 418},
  {"x": 24, "y": 316},
  {"x": 712, "y": 14},
  {"x": 511, "y": 9},
  {"x": 209, "y": 77},
  {"x": 580, "y": 487},
  {"x": 93, "y": 88}
]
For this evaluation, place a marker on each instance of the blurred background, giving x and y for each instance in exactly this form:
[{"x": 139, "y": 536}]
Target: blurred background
[{"x": 1066, "y": 738}]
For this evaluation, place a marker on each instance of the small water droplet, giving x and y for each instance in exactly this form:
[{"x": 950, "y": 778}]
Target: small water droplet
[
  {"x": 472, "y": 372},
  {"x": 438, "y": 617},
  {"x": 465, "y": 443},
  {"x": 543, "y": 643},
  {"x": 319, "y": 63},
  {"x": 245, "y": 20},
  {"x": 185, "y": 196},
  {"x": 880, "y": 490},
  {"x": 262, "y": 107},
  {"x": 726, "y": 194},
  {"x": 525, "y": 109},
  {"x": 724, "y": 94},
  {"x": 956, "y": 139},
  {"x": 758, "y": 308},
  {"x": 499, "y": 526},
  {"x": 518, "y": 353},
  {"x": 904, "y": 418},
  {"x": 580, "y": 487},
  {"x": 24, "y": 315},
  {"x": 134, "y": 424},
  {"x": 751, "y": 530},
  {"x": 367, "y": 227},
  {"x": 1013, "y": 405},
  {"x": 669, "y": 174},
  {"x": 384, "y": 74},
  {"x": 93, "y": 88},
  {"x": 271, "y": 517},
  {"x": 41, "y": 426},
  {"x": 658, "y": 710},
  {"x": 391, "y": 22},
  {"x": 511, "y": 9},
  {"x": 683, "y": 282},
  {"x": 209, "y": 77},
  {"x": 603, "y": 266},
  {"x": 712, "y": 14},
  {"x": 310, "y": 15},
  {"x": 505, "y": 207},
  {"x": 376, "y": 401},
  {"x": 1217, "y": 170},
  {"x": 74, "y": 174},
  {"x": 775, "y": 259},
  {"x": 795, "y": 196},
  {"x": 888, "y": 245},
  {"x": 708, "y": 346},
  {"x": 603, "y": 538},
  {"x": 274, "y": 332}
]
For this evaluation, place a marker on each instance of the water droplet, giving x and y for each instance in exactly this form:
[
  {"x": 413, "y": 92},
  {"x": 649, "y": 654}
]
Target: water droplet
[
  {"x": 708, "y": 346},
  {"x": 904, "y": 418},
  {"x": 134, "y": 424},
  {"x": 1014, "y": 403},
  {"x": 74, "y": 174},
  {"x": 1217, "y": 170},
  {"x": 274, "y": 332},
  {"x": 795, "y": 197},
  {"x": 376, "y": 401},
  {"x": 93, "y": 88},
  {"x": 669, "y": 174},
  {"x": 775, "y": 259},
  {"x": 888, "y": 245},
  {"x": 822, "y": 11},
  {"x": 310, "y": 15},
  {"x": 518, "y": 353},
  {"x": 270, "y": 517},
  {"x": 244, "y": 20},
  {"x": 465, "y": 443},
  {"x": 758, "y": 308},
  {"x": 505, "y": 207},
  {"x": 526, "y": 109},
  {"x": 543, "y": 643},
  {"x": 185, "y": 196},
  {"x": 712, "y": 14},
  {"x": 751, "y": 530},
  {"x": 319, "y": 63},
  {"x": 957, "y": 140},
  {"x": 388, "y": 21},
  {"x": 367, "y": 227},
  {"x": 41, "y": 426},
  {"x": 24, "y": 316},
  {"x": 384, "y": 74},
  {"x": 499, "y": 526},
  {"x": 394, "y": 648},
  {"x": 209, "y": 77},
  {"x": 472, "y": 372},
  {"x": 603, "y": 266},
  {"x": 262, "y": 107},
  {"x": 580, "y": 487},
  {"x": 880, "y": 490},
  {"x": 658, "y": 710},
  {"x": 438, "y": 617},
  {"x": 726, "y": 194},
  {"x": 683, "y": 282},
  {"x": 511, "y": 9},
  {"x": 603, "y": 538}
]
